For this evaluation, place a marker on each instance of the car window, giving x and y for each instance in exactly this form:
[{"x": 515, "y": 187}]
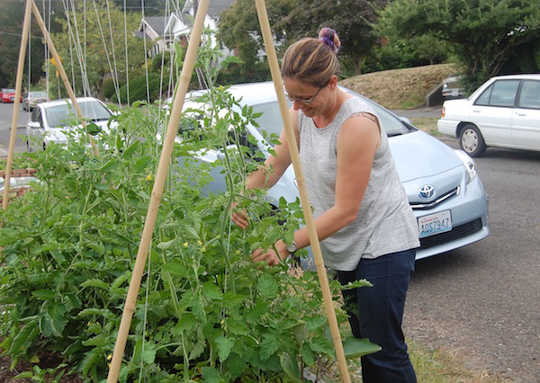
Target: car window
[
  {"x": 36, "y": 115},
  {"x": 500, "y": 93},
  {"x": 64, "y": 114},
  {"x": 529, "y": 96}
]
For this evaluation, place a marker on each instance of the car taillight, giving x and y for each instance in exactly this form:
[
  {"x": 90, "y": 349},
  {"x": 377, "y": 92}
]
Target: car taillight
[{"x": 442, "y": 112}]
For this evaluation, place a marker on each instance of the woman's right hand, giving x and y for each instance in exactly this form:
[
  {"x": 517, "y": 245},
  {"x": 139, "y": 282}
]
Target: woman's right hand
[{"x": 239, "y": 216}]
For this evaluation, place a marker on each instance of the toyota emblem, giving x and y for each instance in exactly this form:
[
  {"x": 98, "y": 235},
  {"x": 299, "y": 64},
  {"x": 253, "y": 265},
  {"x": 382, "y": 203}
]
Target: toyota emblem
[{"x": 426, "y": 192}]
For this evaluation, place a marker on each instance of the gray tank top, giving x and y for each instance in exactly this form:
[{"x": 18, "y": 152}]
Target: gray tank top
[{"x": 385, "y": 222}]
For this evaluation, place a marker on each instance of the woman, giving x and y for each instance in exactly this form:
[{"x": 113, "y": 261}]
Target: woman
[{"x": 362, "y": 215}]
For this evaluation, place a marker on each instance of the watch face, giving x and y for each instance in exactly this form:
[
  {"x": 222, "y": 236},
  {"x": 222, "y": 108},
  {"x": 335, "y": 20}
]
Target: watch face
[{"x": 291, "y": 248}]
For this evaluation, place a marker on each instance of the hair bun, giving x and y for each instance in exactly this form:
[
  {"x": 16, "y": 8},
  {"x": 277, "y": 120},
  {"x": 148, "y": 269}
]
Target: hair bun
[{"x": 329, "y": 37}]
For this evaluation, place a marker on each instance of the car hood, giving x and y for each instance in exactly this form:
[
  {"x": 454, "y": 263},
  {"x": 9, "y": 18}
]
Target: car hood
[
  {"x": 59, "y": 135},
  {"x": 418, "y": 155}
]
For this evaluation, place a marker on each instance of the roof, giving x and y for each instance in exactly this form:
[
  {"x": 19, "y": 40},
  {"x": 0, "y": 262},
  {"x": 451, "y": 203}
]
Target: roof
[
  {"x": 157, "y": 23},
  {"x": 214, "y": 8}
]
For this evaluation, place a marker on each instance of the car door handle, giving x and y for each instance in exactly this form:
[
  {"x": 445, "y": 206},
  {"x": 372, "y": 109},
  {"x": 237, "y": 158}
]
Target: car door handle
[
  {"x": 476, "y": 111},
  {"x": 521, "y": 114}
]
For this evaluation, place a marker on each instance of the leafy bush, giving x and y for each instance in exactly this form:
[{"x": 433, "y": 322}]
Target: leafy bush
[
  {"x": 108, "y": 89},
  {"x": 204, "y": 312},
  {"x": 138, "y": 89}
]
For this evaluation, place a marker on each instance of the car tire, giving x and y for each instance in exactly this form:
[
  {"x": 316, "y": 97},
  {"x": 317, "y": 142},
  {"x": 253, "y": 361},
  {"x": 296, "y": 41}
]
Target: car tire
[{"x": 471, "y": 141}]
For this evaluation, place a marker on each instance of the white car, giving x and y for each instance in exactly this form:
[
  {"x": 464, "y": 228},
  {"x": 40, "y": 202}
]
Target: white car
[
  {"x": 503, "y": 112},
  {"x": 50, "y": 121}
]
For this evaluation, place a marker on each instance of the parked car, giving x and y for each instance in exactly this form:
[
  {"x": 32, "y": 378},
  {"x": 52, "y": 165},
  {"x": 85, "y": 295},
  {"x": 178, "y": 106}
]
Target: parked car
[
  {"x": 503, "y": 112},
  {"x": 452, "y": 88},
  {"x": 8, "y": 95},
  {"x": 50, "y": 120},
  {"x": 33, "y": 98},
  {"x": 442, "y": 184}
]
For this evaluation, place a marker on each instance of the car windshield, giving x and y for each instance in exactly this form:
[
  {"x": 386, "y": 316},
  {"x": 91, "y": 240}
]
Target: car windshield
[
  {"x": 271, "y": 121},
  {"x": 64, "y": 114}
]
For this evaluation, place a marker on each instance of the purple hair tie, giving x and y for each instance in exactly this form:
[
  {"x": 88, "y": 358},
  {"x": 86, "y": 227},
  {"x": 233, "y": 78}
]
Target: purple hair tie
[{"x": 327, "y": 35}]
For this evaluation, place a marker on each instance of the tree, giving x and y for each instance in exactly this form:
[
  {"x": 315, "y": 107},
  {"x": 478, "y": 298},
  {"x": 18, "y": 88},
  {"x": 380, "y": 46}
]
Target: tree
[
  {"x": 86, "y": 45},
  {"x": 11, "y": 22},
  {"x": 292, "y": 19},
  {"x": 483, "y": 34}
]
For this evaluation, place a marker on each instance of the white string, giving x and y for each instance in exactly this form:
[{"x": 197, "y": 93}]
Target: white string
[
  {"x": 126, "y": 46},
  {"x": 78, "y": 51},
  {"x": 145, "y": 57},
  {"x": 115, "y": 74},
  {"x": 107, "y": 53}
]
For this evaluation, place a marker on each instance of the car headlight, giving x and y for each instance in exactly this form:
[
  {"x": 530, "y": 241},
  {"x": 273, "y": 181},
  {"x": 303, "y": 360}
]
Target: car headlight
[{"x": 470, "y": 166}]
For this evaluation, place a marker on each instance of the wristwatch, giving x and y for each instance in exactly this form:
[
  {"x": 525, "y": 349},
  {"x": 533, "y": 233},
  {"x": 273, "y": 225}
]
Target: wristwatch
[{"x": 291, "y": 247}]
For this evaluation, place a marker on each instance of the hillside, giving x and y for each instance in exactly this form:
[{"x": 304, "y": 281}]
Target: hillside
[{"x": 400, "y": 88}]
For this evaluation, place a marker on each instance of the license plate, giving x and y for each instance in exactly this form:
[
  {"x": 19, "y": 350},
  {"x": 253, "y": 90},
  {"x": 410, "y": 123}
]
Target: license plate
[{"x": 434, "y": 223}]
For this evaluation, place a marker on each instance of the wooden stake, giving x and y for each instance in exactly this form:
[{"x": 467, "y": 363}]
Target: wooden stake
[
  {"x": 15, "y": 116},
  {"x": 62, "y": 72},
  {"x": 293, "y": 150},
  {"x": 157, "y": 191}
]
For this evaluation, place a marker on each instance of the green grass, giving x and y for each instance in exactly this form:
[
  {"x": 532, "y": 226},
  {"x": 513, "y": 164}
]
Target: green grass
[{"x": 427, "y": 124}]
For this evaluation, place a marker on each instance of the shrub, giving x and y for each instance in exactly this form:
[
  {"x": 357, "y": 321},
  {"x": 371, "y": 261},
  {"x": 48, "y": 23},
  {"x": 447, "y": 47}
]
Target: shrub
[{"x": 138, "y": 89}]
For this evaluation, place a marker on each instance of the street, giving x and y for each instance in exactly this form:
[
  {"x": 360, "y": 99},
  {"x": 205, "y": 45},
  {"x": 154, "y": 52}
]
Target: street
[
  {"x": 481, "y": 302},
  {"x": 6, "y": 112}
]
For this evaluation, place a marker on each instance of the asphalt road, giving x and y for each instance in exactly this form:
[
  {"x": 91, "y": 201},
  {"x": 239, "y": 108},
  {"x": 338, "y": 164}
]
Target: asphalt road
[
  {"x": 481, "y": 302},
  {"x": 6, "y": 116}
]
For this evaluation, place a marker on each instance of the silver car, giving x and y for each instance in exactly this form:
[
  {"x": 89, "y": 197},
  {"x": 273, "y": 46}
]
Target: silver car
[{"x": 442, "y": 184}]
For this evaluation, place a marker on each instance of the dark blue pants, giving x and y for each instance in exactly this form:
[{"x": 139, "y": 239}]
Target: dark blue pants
[{"x": 377, "y": 313}]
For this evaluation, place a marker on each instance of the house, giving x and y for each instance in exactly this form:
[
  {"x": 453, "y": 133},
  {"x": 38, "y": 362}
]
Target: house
[{"x": 164, "y": 31}]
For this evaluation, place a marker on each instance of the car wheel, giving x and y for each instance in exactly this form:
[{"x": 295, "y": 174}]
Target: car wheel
[
  {"x": 28, "y": 148},
  {"x": 471, "y": 141}
]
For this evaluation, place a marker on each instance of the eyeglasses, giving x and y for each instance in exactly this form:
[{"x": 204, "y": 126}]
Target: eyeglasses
[{"x": 303, "y": 100}]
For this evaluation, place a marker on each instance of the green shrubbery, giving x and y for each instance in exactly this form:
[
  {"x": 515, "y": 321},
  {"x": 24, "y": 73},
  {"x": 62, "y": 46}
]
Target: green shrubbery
[{"x": 138, "y": 89}]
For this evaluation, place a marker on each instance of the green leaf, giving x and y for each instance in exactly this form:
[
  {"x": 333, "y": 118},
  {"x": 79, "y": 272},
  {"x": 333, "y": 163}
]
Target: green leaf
[
  {"x": 269, "y": 346},
  {"x": 131, "y": 149},
  {"x": 93, "y": 129},
  {"x": 224, "y": 346},
  {"x": 176, "y": 268},
  {"x": 307, "y": 355},
  {"x": 95, "y": 283},
  {"x": 290, "y": 366},
  {"x": 267, "y": 286},
  {"x": 52, "y": 319},
  {"x": 211, "y": 375},
  {"x": 235, "y": 365},
  {"x": 357, "y": 283},
  {"x": 44, "y": 294},
  {"x": 90, "y": 360},
  {"x": 354, "y": 347},
  {"x": 211, "y": 291},
  {"x": 167, "y": 244}
]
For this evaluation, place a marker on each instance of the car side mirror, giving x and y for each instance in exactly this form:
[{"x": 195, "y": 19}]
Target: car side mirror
[{"x": 34, "y": 125}]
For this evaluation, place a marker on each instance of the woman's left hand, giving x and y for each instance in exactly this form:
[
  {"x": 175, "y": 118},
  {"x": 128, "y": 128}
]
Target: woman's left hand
[{"x": 270, "y": 256}]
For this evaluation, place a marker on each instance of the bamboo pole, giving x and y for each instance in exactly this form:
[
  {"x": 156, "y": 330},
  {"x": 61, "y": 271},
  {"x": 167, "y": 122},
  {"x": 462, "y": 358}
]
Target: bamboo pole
[
  {"x": 157, "y": 191},
  {"x": 62, "y": 72},
  {"x": 15, "y": 116},
  {"x": 293, "y": 150}
]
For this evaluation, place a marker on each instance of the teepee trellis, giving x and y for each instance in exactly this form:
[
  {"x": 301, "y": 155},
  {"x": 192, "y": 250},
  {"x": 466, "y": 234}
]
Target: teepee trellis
[
  {"x": 165, "y": 159},
  {"x": 31, "y": 6}
]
